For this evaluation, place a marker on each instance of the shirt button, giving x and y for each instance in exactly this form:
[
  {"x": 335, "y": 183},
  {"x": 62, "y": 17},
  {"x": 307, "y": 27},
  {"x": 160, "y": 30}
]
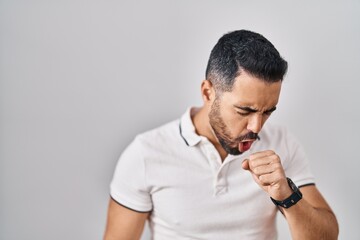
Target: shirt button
[
  {"x": 213, "y": 157},
  {"x": 219, "y": 187},
  {"x": 220, "y": 190}
]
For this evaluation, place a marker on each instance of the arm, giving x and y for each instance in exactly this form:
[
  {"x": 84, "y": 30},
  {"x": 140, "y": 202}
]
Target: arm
[
  {"x": 311, "y": 217},
  {"x": 123, "y": 223}
]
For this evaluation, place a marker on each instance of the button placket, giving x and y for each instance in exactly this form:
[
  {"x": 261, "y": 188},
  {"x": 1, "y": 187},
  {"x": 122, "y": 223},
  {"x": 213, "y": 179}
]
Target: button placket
[
  {"x": 221, "y": 184},
  {"x": 212, "y": 156},
  {"x": 219, "y": 168}
]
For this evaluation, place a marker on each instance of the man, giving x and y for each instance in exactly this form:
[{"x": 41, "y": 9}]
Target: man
[{"x": 218, "y": 172}]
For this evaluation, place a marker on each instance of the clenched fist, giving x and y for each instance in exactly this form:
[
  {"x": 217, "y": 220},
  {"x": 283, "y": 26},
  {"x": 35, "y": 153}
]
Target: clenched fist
[{"x": 268, "y": 173}]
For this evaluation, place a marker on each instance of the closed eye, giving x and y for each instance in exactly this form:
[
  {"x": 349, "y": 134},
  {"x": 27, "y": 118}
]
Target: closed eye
[
  {"x": 269, "y": 112},
  {"x": 244, "y": 113}
]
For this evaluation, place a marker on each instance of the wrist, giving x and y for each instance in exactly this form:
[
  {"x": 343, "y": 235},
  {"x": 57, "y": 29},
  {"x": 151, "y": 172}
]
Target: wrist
[
  {"x": 292, "y": 199},
  {"x": 283, "y": 190}
]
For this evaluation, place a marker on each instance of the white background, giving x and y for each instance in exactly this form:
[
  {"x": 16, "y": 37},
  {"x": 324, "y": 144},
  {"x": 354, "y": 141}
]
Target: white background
[{"x": 79, "y": 79}]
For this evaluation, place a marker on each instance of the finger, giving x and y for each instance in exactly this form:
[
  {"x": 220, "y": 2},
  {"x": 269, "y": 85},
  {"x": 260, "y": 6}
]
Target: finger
[
  {"x": 264, "y": 160},
  {"x": 261, "y": 154},
  {"x": 245, "y": 164},
  {"x": 266, "y": 169},
  {"x": 266, "y": 179},
  {"x": 270, "y": 179}
]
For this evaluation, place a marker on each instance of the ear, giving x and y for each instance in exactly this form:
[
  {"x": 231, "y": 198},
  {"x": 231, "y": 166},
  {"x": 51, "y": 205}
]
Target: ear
[{"x": 207, "y": 92}]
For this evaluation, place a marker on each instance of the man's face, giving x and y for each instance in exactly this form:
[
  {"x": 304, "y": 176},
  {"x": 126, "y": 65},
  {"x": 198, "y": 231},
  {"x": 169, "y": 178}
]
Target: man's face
[{"x": 237, "y": 117}]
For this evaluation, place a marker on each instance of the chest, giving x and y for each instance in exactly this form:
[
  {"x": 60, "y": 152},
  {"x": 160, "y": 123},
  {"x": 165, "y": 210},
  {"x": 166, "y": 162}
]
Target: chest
[{"x": 196, "y": 196}]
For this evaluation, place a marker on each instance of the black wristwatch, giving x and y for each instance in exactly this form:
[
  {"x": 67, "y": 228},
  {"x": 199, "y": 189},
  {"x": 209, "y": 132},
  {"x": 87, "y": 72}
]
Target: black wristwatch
[{"x": 293, "y": 199}]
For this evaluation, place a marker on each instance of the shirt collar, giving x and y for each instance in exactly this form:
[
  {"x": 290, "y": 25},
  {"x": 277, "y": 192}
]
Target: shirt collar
[{"x": 187, "y": 129}]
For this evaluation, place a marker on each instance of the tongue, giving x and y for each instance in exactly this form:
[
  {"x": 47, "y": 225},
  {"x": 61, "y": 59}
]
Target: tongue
[{"x": 244, "y": 146}]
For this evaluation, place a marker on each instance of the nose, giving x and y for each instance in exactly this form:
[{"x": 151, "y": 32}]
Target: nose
[{"x": 255, "y": 123}]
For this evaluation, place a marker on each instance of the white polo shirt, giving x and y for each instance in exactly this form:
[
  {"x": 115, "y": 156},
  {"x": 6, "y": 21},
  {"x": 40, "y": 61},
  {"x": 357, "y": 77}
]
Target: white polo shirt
[{"x": 179, "y": 177}]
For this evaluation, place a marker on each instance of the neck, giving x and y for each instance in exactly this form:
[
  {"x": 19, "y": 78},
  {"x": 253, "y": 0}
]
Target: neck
[{"x": 200, "y": 119}]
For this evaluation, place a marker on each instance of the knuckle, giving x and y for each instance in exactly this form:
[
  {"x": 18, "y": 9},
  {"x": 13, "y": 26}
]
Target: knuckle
[
  {"x": 252, "y": 156},
  {"x": 252, "y": 164},
  {"x": 275, "y": 158},
  {"x": 270, "y": 152},
  {"x": 277, "y": 168},
  {"x": 261, "y": 178},
  {"x": 279, "y": 165}
]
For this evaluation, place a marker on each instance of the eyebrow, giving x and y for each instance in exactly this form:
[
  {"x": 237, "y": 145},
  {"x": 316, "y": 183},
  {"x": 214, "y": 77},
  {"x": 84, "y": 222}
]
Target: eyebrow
[{"x": 249, "y": 109}]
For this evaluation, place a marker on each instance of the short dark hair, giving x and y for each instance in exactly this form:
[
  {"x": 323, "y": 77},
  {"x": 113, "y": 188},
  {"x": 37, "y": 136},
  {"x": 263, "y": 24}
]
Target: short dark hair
[{"x": 243, "y": 50}]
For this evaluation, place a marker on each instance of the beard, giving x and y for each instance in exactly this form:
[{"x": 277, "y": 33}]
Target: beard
[{"x": 222, "y": 132}]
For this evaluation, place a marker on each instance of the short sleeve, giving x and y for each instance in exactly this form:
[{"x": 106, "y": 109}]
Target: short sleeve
[
  {"x": 128, "y": 186},
  {"x": 297, "y": 165}
]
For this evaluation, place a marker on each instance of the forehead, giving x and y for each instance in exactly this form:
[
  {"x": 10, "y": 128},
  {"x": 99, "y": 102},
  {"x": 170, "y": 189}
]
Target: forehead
[{"x": 253, "y": 92}]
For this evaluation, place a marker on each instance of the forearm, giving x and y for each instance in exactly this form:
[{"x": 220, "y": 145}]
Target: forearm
[
  {"x": 310, "y": 217},
  {"x": 307, "y": 222}
]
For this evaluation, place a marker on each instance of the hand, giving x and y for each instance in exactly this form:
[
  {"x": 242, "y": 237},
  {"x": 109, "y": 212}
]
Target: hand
[{"x": 268, "y": 173}]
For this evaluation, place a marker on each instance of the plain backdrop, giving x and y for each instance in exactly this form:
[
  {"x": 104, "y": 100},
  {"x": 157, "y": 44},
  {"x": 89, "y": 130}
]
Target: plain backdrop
[{"x": 79, "y": 79}]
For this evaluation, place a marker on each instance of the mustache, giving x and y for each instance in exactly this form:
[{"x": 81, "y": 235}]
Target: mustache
[{"x": 248, "y": 136}]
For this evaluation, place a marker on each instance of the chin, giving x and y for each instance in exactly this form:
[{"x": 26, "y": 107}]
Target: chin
[{"x": 232, "y": 151}]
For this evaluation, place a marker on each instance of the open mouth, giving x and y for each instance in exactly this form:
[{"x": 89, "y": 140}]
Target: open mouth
[{"x": 245, "y": 145}]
